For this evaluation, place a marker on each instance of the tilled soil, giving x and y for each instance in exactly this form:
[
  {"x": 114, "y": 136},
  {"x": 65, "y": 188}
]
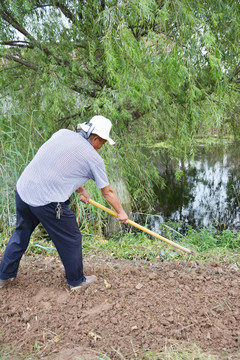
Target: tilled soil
[{"x": 134, "y": 307}]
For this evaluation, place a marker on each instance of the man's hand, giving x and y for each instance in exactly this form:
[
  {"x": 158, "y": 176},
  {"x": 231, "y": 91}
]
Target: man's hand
[
  {"x": 122, "y": 217},
  {"x": 83, "y": 194}
]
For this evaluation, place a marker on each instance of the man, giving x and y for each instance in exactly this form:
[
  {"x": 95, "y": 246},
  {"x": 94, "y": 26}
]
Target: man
[{"x": 61, "y": 166}]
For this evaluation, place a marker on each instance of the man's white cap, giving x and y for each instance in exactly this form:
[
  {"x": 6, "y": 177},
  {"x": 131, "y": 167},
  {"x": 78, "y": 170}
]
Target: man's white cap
[{"x": 98, "y": 125}]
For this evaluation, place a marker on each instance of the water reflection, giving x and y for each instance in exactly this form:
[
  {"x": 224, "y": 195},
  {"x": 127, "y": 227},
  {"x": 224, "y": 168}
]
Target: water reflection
[{"x": 208, "y": 194}]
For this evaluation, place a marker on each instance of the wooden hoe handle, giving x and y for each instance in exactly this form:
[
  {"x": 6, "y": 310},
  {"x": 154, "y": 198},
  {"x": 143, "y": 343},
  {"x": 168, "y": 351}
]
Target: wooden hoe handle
[{"x": 140, "y": 227}]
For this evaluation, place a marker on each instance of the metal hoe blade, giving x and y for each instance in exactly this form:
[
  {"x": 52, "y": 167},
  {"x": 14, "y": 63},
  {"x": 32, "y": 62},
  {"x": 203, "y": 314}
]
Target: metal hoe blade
[{"x": 189, "y": 260}]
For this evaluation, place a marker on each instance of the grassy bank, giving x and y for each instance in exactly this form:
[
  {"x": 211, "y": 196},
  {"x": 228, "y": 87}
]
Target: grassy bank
[{"x": 209, "y": 244}]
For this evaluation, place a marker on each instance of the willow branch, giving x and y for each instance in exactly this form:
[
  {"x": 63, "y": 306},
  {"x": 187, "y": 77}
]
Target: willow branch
[
  {"x": 79, "y": 89},
  {"x": 39, "y": 6},
  {"x": 10, "y": 19},
  {"x": 7, "y": 16},
  {"x": 10, "y": 68},
  {"x": 18, "y": 43},
  {"x": 234, "y": 74},
  {"x": 237, "y": 70},
  {"x": 103, "y": 5},
  {"x": 20, "y": 61},
  {"x": 64, "y": 9},
  {"x": 67, "y": 12},
  {"x": 72, "y": 117},
  {"x": 62, "y": 120}
]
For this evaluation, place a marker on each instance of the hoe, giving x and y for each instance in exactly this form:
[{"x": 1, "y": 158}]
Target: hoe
[{"x": 189, "y": 254}]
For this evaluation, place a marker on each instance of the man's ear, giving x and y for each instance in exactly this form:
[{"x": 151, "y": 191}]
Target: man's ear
[{"x": 93, "y": 136}]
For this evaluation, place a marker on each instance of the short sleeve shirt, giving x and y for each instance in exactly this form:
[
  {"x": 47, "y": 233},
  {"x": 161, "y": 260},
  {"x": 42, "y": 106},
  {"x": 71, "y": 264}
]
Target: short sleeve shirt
[{"x": 61, "y": 165}]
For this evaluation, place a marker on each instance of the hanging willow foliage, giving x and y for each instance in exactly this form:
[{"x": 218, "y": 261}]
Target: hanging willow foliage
[{"x": 161, "y": 70}]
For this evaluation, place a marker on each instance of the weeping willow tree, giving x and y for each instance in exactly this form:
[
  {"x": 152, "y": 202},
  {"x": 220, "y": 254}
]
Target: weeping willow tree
[{"x": 161, "y": 70}]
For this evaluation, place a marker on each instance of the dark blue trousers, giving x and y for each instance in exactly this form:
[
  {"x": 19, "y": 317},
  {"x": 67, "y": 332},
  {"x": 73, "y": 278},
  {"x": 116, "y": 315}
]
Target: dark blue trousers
[{"x": 64, "y": 233}]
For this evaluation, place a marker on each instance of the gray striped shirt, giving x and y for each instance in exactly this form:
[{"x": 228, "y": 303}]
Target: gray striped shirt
[{"x": 61, "y": 165}]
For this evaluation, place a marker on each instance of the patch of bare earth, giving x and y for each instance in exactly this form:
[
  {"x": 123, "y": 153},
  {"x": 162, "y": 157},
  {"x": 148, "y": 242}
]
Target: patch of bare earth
[{"x": 132, "y": 308}]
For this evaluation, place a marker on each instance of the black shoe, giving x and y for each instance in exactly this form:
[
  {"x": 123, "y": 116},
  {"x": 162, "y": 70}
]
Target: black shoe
[{"x": 89, "y": 280}]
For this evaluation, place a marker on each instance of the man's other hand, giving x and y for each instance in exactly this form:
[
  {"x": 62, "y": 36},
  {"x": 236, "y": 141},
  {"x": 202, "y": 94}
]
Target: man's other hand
[{"x": 83, "y": 194}]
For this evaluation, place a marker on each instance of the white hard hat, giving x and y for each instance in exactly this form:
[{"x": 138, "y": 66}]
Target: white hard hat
[{"x": 98, "y": 125}]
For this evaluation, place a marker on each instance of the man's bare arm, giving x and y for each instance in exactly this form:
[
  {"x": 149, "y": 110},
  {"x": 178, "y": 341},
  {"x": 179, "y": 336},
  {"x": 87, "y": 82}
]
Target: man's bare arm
[{"x": 111, "y": 197}]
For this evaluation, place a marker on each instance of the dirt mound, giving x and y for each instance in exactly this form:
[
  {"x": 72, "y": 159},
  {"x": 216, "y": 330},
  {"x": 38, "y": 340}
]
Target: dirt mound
[{"x": 132, "y": 308}]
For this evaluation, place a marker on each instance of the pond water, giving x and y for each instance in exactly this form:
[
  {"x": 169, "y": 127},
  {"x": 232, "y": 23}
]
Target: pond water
[{"x": 208, "y": 193}]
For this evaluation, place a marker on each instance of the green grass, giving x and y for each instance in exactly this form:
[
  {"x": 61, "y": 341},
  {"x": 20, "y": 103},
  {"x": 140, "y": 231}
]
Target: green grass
[
  {"x": 209, "y": 244},
  {"x": 180, "y": 352},
  {"x": 171, "y": 352},
  {"x": 174, "y": 351},
  {"x": 8, "y": 352},
  {"x": 131, "y": 246}
]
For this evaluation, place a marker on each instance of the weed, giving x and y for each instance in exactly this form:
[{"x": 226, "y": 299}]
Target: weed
[
  {"x": 180, "y": 352},
  {"x": 130, "y": 246},
  {"x": 204, "y": 239}
]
